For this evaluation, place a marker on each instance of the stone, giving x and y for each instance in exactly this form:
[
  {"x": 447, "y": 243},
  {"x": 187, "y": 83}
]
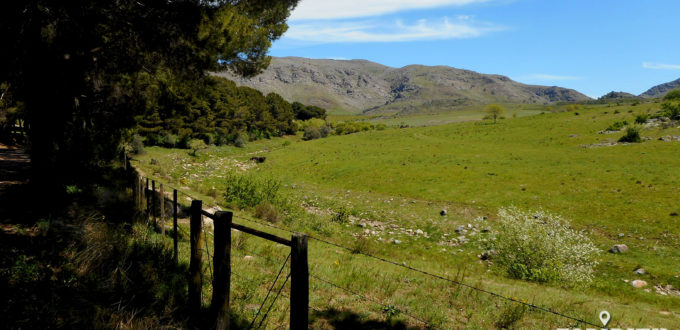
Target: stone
[
  {"x": 622, "y": 234},
  {"x": 639, "y": 284},
  {"x": 419, "y": 232},
  {"x": 442, "y": 212},
  {"x": 462, "y": 239},
  {"x": 461, "y": 229},
  {"x": 248, "y": 258},
  {"x": 619, "y": 248},
  {"x": 396, "y": 241},
  {"x": 640, "y": 271},
  {"x": 486, "y": 255}
]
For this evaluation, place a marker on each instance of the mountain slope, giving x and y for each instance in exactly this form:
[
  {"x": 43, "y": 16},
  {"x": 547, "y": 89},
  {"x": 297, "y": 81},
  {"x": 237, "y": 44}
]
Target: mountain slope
[
  {"x": 661, "y": 90},
  {"x": 358, "y": 85}
]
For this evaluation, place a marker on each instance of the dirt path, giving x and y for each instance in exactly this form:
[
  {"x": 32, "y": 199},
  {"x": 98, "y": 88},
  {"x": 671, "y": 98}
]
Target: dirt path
[{"x": 14, "y": 166}]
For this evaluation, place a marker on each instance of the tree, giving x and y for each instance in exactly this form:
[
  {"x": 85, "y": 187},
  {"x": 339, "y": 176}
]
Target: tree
[
  {"x": 196, "y": 145},
  {"x": 494, "y": 111},
  {"x": 85, "y": 69},
  {"x": 671, "y": 104}
]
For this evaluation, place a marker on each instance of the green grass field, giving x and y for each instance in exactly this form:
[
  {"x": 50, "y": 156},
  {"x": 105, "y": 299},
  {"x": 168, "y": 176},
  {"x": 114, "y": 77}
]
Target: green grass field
[{"x": 400, "y": 179}]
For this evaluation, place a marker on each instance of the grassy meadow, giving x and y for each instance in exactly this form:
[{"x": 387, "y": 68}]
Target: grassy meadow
[{"x": 391, "y": 183}]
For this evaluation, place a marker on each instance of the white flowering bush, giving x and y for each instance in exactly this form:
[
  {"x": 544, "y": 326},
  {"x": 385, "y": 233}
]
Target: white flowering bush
[{"x": 542, "y": 247}]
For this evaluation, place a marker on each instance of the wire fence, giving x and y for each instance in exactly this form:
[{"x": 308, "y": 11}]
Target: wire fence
[{"x": 432, "y": 275}]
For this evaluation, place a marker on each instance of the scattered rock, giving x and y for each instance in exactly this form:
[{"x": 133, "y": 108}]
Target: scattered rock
[
  {"x": 640, "y": 271},
  {"x": 462, "y": 239},
  {"x": 639, "y": 284},
  {"x": 461, "y": 230},
  {"x": 667, "y": 290},
  {"x": 248, "y": 258},
  {"x": 419, "y": 232},
  {"x": 396, "y": 241},
  {"x": 622, "y": 234},
  {"x": 619, "y": 248},
  {"x": 443, "y": 212}
]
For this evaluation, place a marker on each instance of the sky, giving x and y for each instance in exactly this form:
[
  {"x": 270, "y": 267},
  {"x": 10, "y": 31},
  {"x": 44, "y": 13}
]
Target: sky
[{"x": 593, "y": 46}]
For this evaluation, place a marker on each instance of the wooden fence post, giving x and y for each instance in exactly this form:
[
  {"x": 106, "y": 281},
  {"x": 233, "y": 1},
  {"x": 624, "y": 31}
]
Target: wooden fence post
[
  {"x": 148, "y": 200},
  {"x": 174, "y": 224},
  {"x": 162, "y": 217},
  {"x": 222, "y": 269},
  {"x": 195, "y": 263},
  {"x": 299, "y": 283},
  {"x": 153, "y": 202}
]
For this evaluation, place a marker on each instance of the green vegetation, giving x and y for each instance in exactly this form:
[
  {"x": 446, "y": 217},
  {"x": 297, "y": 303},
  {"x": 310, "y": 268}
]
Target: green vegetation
[
  {"x": 632, "y": 135},
  {"x": 671, "y": 104},
  {"x": 494, "y": 111},
  {"x": 538, "y": 246},
  {"x": 400, "y": 179}
]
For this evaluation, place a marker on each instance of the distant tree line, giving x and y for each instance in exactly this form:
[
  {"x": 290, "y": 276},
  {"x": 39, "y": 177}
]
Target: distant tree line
[{"x": 218, "y": 112}]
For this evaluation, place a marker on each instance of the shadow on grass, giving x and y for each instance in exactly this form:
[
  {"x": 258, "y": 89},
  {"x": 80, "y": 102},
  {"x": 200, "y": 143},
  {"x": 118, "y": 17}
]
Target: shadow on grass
[
  {"x": 344, "y": 319},
  {"x": 83, "y": 264}
]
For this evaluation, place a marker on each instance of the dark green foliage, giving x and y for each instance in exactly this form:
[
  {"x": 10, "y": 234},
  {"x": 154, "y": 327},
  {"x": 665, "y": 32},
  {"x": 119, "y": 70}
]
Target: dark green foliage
[
  {"x": 641, "y": 118},
  {"x": 617, "y": 126},
  {"x": 85, "y": 69},
  {"x": 137, "y": 145},
  {"x": 632, "y": 135},
  {"x": 305, "y": 112},
  {"x": 216, "y": 111},
  {"x": 671, "y": 104}
]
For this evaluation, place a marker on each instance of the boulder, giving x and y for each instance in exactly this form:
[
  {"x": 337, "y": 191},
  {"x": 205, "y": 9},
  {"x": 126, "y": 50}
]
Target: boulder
[
  {"x": 639, "y": 284},
  {"x": 640, "y": 271},
  {"x": 619, "y": 248}
]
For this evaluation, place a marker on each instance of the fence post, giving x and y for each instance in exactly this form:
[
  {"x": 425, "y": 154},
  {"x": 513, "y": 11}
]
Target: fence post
[
  {"x": 195, "y": 263},
  {"x": 162, "y": 217},
  {"x": 148, "y": 200},
  {"x": 174, "y": 224},
  {"x": 222, "y": 269},
  {"x": 153, "y": 202},
  {"x": 299, "y": 283}
]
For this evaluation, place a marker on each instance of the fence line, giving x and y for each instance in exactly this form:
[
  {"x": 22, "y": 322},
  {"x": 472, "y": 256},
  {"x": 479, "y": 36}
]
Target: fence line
[{"x": 381, "y": 259}]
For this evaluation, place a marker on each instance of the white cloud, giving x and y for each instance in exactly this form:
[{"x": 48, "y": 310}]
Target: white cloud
[
  {"x": 660, "y": 66},
  {"x": 548, "y": 77},
  {"x": 382, "y": 31},
  {"x": 334, "y": 9}
]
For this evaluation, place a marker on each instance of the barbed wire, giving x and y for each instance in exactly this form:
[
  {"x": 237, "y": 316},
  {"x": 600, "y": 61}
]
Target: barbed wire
[
  {"x": 432, "y": 275},
  {"x": 370, "y": 299},
  {"x": 268, "y": 292}
]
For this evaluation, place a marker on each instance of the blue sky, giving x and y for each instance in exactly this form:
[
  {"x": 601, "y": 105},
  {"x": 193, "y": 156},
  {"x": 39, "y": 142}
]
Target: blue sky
[{"x": 592, "y": 46}]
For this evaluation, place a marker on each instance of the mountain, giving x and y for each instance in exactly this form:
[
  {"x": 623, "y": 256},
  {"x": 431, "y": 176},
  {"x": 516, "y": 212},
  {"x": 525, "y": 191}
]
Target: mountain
[
  {"x": 612, "y": 96},
  {"x": 357, "y": 86},
  {"x": 661, "y": 90}
]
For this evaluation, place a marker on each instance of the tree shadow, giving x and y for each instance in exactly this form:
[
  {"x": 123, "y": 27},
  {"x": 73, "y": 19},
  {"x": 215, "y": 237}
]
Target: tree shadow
[{"x": 346, "y": 319}]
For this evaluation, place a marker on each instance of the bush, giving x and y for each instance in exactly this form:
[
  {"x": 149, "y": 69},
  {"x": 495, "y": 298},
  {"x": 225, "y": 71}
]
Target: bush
[
  {"x": 325, "y": 131},
  {"x": 541, "y": 247},
  {"x": 196, "y": 145},
  {"x": 617, "y": 126},
  {"x": 241, "y": 140},
  {"x": 632, "y": 135},
  {"x": 169, "y": 140},
  {"x": 245, "y": 191},
  {"x": 267, "y": 211},
  {"x": 311, "y": 133},
  {"x": 138, "y": 145},
  {"x": 641, "y": 118},
  {"x": 341, "y": 216}
]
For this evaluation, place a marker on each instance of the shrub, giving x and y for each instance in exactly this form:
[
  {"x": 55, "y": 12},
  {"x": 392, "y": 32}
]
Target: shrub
[
  {"x": 246, "y": 191},
  {"x": 617, "y": 126},
  {"x": 325, "y": 131},
  {"x": 196, "y": 145},
  {"x": 169, "y": 140},
  {"x": 137, "y": 145},
  {"x": 267, "y": 211},
  {"x": 632, "y": 135},
  {"x": 541, "y": 247},
  {"x": 311, "y": 133},
  {"x": 641, "y": 118},
  {"x": 241, "y": 140},
  {"x": 341, "y": 216}
]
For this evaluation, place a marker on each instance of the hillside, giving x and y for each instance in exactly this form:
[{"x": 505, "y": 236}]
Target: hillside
[
  {"x": 662, "y": 89},
  {"x": 356, "y": 86},
  {"x": 613, "y": 96}
]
